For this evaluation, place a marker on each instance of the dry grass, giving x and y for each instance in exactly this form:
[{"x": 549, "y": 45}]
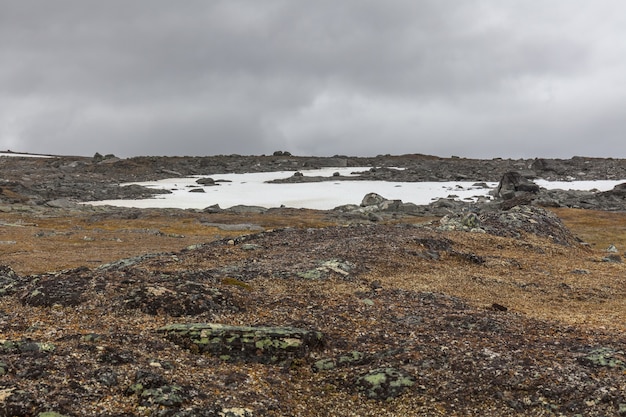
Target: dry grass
[
  {"x": 531, "y": 277},
  {"x": 33, "y": 244},
  {"x": 519, "y": 275},
  {"x": 598, "y": 228}
]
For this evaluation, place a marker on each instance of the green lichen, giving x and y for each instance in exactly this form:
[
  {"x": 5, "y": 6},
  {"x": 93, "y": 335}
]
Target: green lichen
[
  {"x": 384, "y": 383},
  {"x": 47, "y": 347},
  {"x": 264, "y": 344},
  {"x": 605, "y": 357},
  {"x": 91, "y": 337},
  {"x": 352, "y": 357},
  {"x": 168, "y": 395},
  {"x": 324, "y": 365},
  {"x": 9, "y": 346},
  {"x": 312, "y": 274}
]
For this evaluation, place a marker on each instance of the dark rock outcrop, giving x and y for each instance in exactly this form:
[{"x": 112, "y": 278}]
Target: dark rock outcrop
[
  {"x": 512, "y": 184},
  {"x": 516, "y": 222}
]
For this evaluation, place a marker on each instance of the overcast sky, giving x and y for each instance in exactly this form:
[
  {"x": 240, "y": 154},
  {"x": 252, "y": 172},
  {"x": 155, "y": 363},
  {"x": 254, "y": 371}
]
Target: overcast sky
[{"x": 491, "y": 78}]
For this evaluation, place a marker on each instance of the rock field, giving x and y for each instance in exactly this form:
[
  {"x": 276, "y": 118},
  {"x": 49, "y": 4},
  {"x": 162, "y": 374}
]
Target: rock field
[{"x": 511, "y": 307}]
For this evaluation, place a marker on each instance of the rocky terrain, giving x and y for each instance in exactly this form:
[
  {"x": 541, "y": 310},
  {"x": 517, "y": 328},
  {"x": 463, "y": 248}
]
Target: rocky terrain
[{"x": 510, "y": 307}]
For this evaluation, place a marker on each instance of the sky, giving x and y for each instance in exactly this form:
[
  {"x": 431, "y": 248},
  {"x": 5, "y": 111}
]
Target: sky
[{"x": 469, "y": 78}]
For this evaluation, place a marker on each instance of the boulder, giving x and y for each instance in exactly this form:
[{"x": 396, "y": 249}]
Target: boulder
[
  {"x": 528, "y": 219},
  {"x": 247, "y": 343},
  {"x": 206, "y": 181},
  {"x": 372, "y": 199},
  {"x": 512, "y": 184}
]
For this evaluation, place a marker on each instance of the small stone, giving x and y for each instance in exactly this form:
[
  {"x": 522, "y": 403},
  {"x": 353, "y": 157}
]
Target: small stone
[
  {"x": 613, "y": 258},
  {"x": 250, "y": 246},
  {"x": 235, "y": 412},
  {"x": 498, "y": 307}
]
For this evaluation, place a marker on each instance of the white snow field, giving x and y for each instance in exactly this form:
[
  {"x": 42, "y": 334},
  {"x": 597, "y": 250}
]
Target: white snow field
[{"x": 252, "y": 189}]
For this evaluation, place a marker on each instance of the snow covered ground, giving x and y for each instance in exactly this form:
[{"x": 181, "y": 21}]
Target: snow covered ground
[{"x": 252, "y": 189}]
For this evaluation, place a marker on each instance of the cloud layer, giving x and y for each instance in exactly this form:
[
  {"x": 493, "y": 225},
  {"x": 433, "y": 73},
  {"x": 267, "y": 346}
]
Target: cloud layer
[{"x": 358, "y": 77}]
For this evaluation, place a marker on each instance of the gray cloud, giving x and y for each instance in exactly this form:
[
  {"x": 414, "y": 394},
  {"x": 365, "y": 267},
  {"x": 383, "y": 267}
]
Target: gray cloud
[{"x": 477, "y": 78}]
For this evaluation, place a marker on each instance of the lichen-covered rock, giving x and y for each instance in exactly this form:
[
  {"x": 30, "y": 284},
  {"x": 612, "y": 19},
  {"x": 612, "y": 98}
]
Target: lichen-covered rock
[
  {"x": 65, "y": 289},
  {"x": 235, "y": 412},
  {"x": 337, "y": 266},
  {"x": 512, "y": 223},
  {"x": 23, "y": 346},
  {"x": 256, "y": 344},
  {"x": 9, "y": 281},
  {"x": 384, "y": 383},
  {"x": 350, "y": 358},
  {"x": 153, "y": 389},
  {"x": 166, "y": 395},
  {"x": 605, "y": 357},
  {"x": 372, "y": 199},
  {"x": 178, "y": 299}
]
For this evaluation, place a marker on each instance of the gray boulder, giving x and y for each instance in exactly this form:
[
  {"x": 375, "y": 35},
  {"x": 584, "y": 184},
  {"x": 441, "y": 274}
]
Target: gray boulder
[
  {"x": 372, "y": 199},
  {"x": 206, "y": 181},
  {"x": 513, "y": 184}
]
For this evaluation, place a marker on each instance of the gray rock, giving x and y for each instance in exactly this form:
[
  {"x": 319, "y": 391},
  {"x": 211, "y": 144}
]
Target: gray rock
[
  {"x": 206, "y": 181},
  {"x": 613, "y": 258},
  {"x": 239, "y": 209},
  {"x": 512, "y": 184},
  {"x": 372, "y": 199},
  {"x": 61, "y": 203},
  {"x": 236, "y": 227}
]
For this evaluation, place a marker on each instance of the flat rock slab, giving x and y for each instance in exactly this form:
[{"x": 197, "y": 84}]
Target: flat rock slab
[{"x": 247, "y": 343}]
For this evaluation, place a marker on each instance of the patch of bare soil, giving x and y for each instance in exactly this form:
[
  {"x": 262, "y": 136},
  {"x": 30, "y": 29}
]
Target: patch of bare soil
[{"x": 414, "y": 320}]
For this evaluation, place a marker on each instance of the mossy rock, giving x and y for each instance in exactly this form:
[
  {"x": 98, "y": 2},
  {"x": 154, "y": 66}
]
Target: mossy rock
[
  {"x": 248, "y": 343},
  {"x": 351, "y": 358},
  {"x": 605, "y": 357},
  {"x": 167, "y": 395},
  {"x": 22, "y": 346},
  {"x": 384, "y": 383}
]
